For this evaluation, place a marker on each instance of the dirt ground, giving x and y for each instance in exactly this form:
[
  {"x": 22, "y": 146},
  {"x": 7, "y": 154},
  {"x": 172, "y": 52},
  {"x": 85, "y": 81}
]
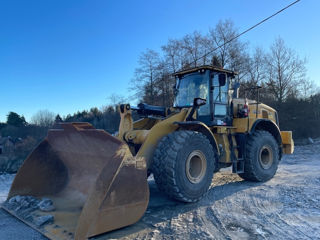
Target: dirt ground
[{"x": 286, "y": 207}]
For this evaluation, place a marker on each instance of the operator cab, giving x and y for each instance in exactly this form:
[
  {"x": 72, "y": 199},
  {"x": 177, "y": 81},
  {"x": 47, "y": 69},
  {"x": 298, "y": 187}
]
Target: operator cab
[{"x": 210, "y": 83}]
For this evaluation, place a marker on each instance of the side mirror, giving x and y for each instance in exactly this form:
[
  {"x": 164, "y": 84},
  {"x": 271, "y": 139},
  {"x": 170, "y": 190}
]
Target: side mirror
[
  {"x": 199, "y": 102},
  {"x": 222, "y": 79}
]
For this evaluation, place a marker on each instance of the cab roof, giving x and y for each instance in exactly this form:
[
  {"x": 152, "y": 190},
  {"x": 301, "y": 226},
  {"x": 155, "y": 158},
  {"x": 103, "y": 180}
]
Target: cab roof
[{"x": 205, "y": 67}]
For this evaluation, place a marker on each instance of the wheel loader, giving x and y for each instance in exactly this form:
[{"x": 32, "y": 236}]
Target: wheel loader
[{"x": 98, "y": 182}]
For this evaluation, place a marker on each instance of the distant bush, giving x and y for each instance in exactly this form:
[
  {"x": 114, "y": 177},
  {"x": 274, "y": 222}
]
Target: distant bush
[
  {"x": 108, "y": 118},
  {"x": 302, "y": 116},
  {"x": 10, "y": 163},
  {"x": 25, "y": 138},
  {"x": 35, "y": 132}
]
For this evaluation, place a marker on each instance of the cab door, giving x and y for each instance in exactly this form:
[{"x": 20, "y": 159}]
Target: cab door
[{"x": 220, "y": 106}]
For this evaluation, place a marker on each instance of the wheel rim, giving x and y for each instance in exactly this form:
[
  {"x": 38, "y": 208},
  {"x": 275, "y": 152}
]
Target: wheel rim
[
  {"x": 266, "y": 157},
  {"x": 196, "y": 166}
]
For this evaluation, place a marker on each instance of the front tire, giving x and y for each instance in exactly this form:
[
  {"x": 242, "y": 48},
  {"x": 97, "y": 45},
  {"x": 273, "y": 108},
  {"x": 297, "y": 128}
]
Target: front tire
[
  {"x": 183, "y": 165},
  {"x": 262, "y": 157}
]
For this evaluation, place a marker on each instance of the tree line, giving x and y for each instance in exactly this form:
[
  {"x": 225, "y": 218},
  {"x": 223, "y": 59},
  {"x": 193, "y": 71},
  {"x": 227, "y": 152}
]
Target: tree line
[
  {"x": 25, "y": 136},
  {"x": 16, "y": 126},
  {"x": 279, "y": 70}
]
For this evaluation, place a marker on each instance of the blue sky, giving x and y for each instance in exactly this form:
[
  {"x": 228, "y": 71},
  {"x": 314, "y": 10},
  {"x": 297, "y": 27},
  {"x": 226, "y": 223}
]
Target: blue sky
[{"x": 66, "y": 56}]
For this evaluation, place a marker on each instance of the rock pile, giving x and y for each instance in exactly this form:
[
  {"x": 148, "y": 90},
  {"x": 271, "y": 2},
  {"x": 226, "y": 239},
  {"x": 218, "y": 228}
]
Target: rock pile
[{"x": 26, "y": 207}]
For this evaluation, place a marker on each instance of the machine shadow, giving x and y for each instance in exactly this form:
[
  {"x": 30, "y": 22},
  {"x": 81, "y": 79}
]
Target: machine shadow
[{"x": 161, "y": 208}]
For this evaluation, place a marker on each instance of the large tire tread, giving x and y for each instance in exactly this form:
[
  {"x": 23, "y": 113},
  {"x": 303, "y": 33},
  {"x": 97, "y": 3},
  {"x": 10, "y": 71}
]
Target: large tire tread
[
  {"x": 164, "y": 163},
  {"x": 251, "y": 173}
]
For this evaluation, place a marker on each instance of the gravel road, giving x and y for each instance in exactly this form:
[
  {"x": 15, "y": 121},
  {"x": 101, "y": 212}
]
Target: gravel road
[{"x": 286, "y": 207}]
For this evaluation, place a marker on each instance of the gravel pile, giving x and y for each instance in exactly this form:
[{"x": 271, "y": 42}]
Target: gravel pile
[{"x": 26, "y": 207}]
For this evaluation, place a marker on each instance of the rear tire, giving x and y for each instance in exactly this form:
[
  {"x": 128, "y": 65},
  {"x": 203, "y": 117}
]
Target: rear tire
[
  {"x": 262, "y": 157},
  {"x": 183, "y": 165}
]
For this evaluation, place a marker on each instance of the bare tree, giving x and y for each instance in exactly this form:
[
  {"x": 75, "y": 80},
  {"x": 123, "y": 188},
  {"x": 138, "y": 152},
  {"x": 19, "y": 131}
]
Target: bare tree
[
  {"x": 223, "y": 32},
  {"x": 256, "y": 67},
  {"x": 285, "y": 71},
  {"x": 308, "y": 88},
  {"x": 115, "y": 100},
  {"x": 43, "y": 118},
  {"x": 165, "y": 84},
  {"x": 194, "y": 46},
  {"x": 173, "y": 55},
  {"x": 146, "y": 75}
]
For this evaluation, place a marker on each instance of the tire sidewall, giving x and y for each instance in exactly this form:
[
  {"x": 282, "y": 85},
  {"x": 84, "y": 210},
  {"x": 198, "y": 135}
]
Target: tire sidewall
[
  {"x": 194, "y": 190},
  {"x": 265, "y": 174}
]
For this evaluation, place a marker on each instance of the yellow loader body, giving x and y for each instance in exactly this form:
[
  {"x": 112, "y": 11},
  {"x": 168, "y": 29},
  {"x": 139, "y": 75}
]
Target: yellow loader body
[{"x": 98, "y": 182}]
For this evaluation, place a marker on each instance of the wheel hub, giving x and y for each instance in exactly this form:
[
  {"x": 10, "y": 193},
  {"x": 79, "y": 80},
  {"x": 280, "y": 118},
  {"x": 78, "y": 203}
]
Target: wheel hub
[
  {"x": 266, "y": 157},
  {"x": 196, "y": 166}
]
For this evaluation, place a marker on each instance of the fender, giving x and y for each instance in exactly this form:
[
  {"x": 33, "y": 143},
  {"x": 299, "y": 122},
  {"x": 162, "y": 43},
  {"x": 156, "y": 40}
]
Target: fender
[
  {"x": 200, "y": 127},
  {"x": 271, "y": 127}
]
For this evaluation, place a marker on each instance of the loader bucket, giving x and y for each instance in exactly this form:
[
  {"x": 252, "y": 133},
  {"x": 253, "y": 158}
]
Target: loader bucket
[{"x": 94, "y": 182}]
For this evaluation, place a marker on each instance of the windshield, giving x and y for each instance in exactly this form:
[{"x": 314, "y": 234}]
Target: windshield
[{"x": 191, "y": 86}]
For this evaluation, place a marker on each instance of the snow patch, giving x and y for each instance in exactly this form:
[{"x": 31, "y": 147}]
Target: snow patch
[{"x": 5, "y": 184}]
